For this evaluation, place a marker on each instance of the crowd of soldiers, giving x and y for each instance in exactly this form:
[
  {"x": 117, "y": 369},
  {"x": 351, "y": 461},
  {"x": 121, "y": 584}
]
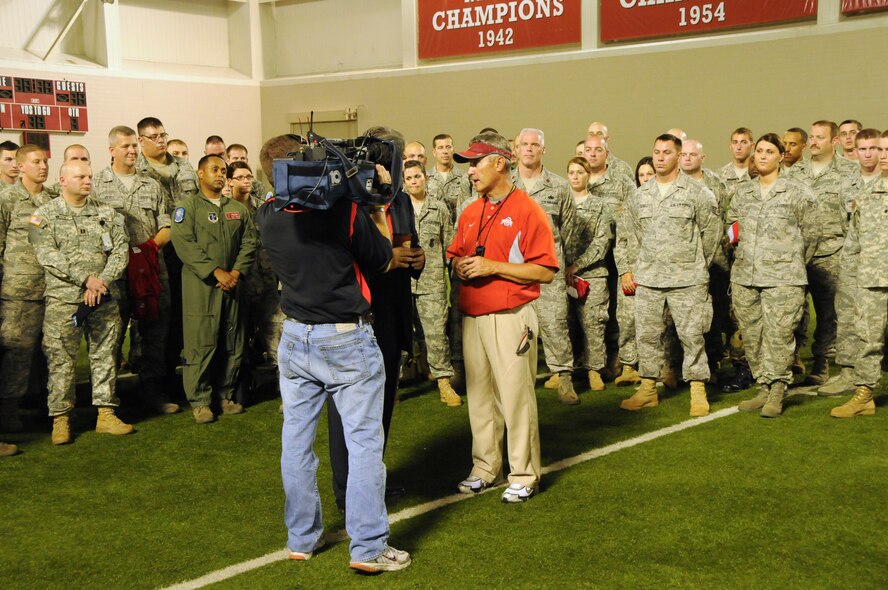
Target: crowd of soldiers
[{"x": 665, "y": 270}]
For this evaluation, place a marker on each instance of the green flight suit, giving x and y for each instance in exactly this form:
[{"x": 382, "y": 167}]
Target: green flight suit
[{"x": 208, "y": 236}]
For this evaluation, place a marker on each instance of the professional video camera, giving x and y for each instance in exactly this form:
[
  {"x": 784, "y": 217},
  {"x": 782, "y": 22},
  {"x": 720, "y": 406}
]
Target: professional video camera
[{"x": 329, "y": 169}]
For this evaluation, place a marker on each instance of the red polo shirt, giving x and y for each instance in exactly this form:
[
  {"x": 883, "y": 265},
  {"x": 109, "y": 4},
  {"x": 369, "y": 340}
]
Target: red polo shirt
[{"x": 514, "y": 230}]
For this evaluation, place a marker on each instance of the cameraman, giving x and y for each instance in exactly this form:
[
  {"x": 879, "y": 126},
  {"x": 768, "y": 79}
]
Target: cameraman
[{"x": 328, "y": 348}]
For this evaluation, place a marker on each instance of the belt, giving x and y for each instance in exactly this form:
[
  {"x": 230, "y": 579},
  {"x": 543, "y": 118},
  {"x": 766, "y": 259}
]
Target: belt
[{"x": 366, "y": 318}]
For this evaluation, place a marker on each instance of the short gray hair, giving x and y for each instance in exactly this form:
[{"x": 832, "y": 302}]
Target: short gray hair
[{"x": 537, "y": 131}]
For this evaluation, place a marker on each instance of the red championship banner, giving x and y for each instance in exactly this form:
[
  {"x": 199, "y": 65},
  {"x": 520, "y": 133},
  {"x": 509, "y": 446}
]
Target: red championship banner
[
  {"x": 449, "y": 28},
  {"x": 859, "y": 6},
  {"x": 622, "y": 20}
]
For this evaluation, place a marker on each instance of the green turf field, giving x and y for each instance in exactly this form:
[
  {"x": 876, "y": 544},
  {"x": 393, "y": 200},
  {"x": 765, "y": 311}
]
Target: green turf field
[{"x": 741, "y": 502}]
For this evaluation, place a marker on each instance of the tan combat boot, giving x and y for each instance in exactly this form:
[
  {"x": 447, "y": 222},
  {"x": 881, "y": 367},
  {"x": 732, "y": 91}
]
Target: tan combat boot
[
  {"x": 820, "y": 373},
  {"x": 203, "y": 415},
  {"x": 774, "y": 406},
  {"x": 758, "y": 401},
  {"x": 109, "y": 423},
  {"x": 566, "y": 393},
  {"x": 861, "y": 404},
  {"x": 9, "y": 418},
  {"x": 231, "y": 407},
  {"x": 644, "y": 397},
  {"x": 61, "y": 430},
  {"x": 629, "y": 376},
  {"x": 7, "y": 449},
  {"x": 669, "y": 377},
  {"x": 595, "y": 381},
  {"x": 553, "y": 382},
  {"x": 448, "y": 394},
  {"x": 699, "y": 403}
]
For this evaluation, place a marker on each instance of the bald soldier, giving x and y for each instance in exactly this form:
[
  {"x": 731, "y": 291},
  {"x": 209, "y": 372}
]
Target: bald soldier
[
  {"x": 215, "y": 238},
  {"x": 552, "y": 193},
  {"x": 22, "y": 291},
  {"x": 599, "y": 129},
  {"x": 83, "y": 247}
]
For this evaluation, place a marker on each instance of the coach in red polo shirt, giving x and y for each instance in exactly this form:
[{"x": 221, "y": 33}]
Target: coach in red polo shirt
[{"x": 502, "y": 251}]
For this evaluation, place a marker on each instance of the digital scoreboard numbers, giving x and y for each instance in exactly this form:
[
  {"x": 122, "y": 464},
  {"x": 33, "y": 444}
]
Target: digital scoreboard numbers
[{"x": 35, "y": 104}]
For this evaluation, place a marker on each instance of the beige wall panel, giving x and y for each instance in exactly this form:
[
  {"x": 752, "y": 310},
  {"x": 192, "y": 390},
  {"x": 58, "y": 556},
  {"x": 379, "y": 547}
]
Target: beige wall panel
[
  {"x": 767, "y": 86},
  {"x": 190, "y": 111},
  {"x": 171, "y": 31},
  {"x": 336, "y": 35}
]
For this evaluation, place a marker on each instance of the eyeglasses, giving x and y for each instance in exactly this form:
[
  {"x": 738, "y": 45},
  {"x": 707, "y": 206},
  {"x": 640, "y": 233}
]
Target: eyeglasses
[
  {"x": 157, "y": 137},
  {"x": 245, "y": 177}
]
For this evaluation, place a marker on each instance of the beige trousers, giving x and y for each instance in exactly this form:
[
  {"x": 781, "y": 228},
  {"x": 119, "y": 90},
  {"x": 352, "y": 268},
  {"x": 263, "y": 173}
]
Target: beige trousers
[{"x": 500, "y": 392}]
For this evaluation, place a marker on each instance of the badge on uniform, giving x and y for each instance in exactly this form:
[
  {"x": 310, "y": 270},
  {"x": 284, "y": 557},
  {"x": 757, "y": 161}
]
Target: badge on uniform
[
  {"x": 213, "y": 217},
  {"x": 179, "y": 215},
  {"x": 35, "y": 220},
  {"x": 107, "y": 244},
  {"x": 232, "y": 215}
]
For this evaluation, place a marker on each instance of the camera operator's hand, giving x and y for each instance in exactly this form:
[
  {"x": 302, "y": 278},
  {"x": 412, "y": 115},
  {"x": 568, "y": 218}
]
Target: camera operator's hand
[
  {"x": 418, "y": 259},
  {"x": 383, "y": 175}
]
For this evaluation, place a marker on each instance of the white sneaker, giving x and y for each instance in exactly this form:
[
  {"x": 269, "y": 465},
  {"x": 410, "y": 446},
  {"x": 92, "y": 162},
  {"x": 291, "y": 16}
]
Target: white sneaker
[
  {"x": 391, "y": 560},
  {"x": 473, "y": 485},
  {"x": 517, "y": 493},
  {"x": 306, "y": 555}
]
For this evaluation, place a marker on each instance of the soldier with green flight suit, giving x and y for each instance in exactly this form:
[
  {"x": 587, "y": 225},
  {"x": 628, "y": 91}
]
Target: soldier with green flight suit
[
  {"x": 84, "y": 249},
  {"x": 215, "y": 238}
]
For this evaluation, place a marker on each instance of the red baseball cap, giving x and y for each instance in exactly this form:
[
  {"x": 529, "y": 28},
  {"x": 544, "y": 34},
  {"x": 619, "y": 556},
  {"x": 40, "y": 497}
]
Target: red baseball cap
[{"x": 479, "y": 150}]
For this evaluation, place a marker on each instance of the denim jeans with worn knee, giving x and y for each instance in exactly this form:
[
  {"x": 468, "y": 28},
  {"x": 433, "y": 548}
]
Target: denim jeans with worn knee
[{"x": 344, "y": 362}]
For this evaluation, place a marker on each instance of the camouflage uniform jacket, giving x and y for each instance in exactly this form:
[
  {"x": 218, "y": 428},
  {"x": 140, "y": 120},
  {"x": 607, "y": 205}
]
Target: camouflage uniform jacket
[
  {"x": 22, "y": 273},
  {"x": 620, "y": 167},
  {"x": 592, "y": 238},
  {"x": 714, "y": 183},
  {"x": 72, "y": 246},
  {"x": 143, "y": 208},
  {"x": 853, "y": 191},
  {"x": 867, "y": 237},
  {"x": 553, "y": 194},
  {"x": 613, "y": 187},
  {"x": 832, "y": 215},
  {"x": 261, "y": 278},
  {"x": 778, "y": 235},
  {"x": 732, "y": 182},
  {"x": 676, "y": 234},
  {"x": 435, "y": 234},
  {"x": 451, "y": 189},
  {"x": 181, "y": 184},
  {"x": 625, "y": 243}
]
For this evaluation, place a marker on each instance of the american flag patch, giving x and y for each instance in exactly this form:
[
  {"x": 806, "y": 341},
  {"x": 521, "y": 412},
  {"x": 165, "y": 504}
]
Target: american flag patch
[
  {"x": 232, "y": 215},
  {"x": 35, "y": 220}
]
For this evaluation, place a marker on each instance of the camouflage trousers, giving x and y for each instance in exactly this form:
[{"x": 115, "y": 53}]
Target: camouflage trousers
[
  {"x": 20, "y": 325},
  {"x": 61, "y": 343},
  {"x": 691, "y": 309},
  {"x": 551, "y": 309},
  {"x": 430, "y": 324},
  {"x": 848, "y": 341},
  {"x": 592, "y": 316},
  {"x": 768, "y": 316},
  {"x": 871, "y": 326},
  {"x": 626, "y": 325},
  {"x": 823, "y": 280}
]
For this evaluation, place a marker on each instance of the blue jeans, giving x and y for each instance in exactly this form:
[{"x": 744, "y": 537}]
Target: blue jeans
[{"x": 344, "y": 362}]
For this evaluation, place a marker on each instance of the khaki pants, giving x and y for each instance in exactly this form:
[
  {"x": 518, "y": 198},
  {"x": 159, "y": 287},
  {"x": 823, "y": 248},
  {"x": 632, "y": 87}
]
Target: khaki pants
[{"x": 500, "y": 392}]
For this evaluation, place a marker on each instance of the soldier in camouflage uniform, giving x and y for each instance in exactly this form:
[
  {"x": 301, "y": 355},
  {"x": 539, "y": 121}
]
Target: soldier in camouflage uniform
[
  {"x": 83, "y": 247},
  {"x": 825, "y": 174},
  {"x": 677, "y": 229},
  {"x": 612, "y": 186},
  {"x": 435, "y": 232},
  {"x": 591, "y": 242},
  {"x": 178, "y": 181},
  {"x": 867, "y": 239},
  {"x": 552, "y": 193},
  {"x": 238, "y": 153},
  {"x": 848, "y": 341},
  {"x": 447, "y": 182},
  {"x": 139, "y": 199},
  {"x": 261, "y": 308},
  {"x": 691, "y": 163},
  {"x": 778, "y": 233},
  {"x": 22, "y": 291},
  {"x": 9, "y": 171}
]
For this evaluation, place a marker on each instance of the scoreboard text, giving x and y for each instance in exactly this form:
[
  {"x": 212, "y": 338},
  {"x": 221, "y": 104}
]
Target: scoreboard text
[{"x": 32, "y": 104}]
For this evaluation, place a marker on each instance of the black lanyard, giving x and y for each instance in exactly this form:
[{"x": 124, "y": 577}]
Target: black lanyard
[{"x": 481, "y": 248}]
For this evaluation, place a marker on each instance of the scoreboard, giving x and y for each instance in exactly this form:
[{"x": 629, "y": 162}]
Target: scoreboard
[{"x": 33, "y": 104}]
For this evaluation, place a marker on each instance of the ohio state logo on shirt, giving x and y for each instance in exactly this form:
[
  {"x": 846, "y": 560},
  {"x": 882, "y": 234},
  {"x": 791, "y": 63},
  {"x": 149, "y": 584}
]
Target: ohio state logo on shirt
[{"x": 507, "y": 222}]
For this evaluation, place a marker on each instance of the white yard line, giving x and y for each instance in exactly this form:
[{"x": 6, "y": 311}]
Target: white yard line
[{"x": 420, "y": 509}]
